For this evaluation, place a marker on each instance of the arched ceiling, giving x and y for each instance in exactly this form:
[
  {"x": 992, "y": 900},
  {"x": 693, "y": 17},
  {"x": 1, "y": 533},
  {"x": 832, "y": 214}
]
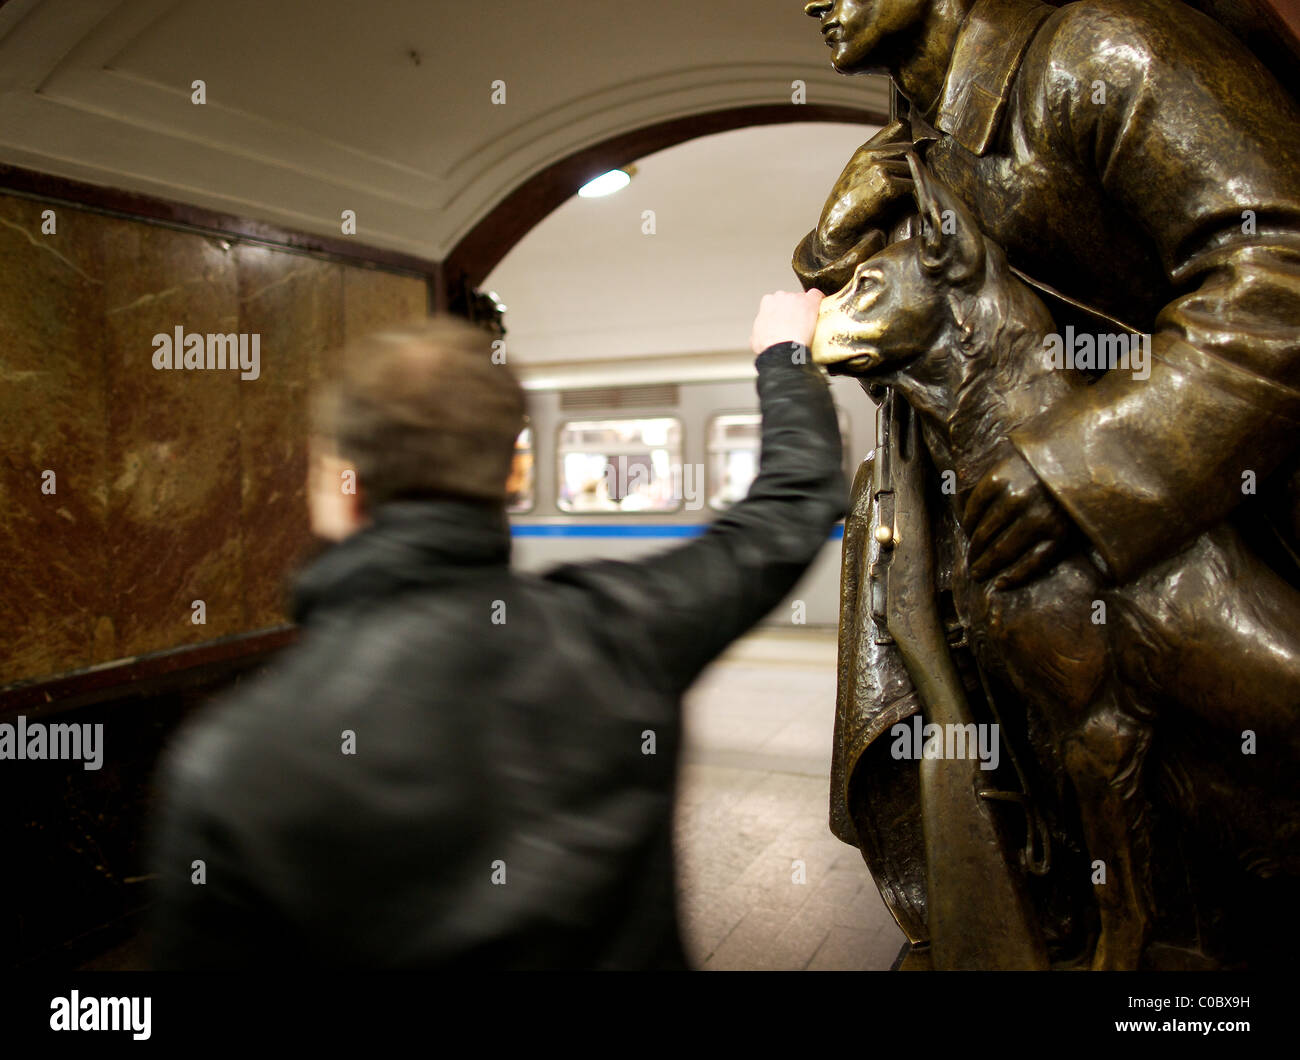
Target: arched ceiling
[
  {"x": 589, "y": 282},
  {"x": 384, "y": 108}
]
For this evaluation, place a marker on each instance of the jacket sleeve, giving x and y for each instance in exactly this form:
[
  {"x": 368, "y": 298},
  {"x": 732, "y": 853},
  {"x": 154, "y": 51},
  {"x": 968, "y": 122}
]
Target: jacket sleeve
[
  {"x": 1197, "y": 144},
  {"x": 686, "y": 605}
]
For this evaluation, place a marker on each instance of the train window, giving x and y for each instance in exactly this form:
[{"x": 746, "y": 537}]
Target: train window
[
  {"x": 519, "y": 486},
  {"x": 619, "y": 465},
  {"x": 733, "y": 456},
  {"x": 734, "y": 443}
]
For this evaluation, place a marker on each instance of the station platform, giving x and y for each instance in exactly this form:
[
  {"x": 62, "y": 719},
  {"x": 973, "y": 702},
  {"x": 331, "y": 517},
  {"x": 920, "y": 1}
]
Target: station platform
[{"x": 752, "y": 819}]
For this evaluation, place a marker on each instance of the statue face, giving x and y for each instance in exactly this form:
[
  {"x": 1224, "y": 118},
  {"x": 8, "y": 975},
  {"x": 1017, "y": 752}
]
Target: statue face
[{"x": 864, "y": 35}]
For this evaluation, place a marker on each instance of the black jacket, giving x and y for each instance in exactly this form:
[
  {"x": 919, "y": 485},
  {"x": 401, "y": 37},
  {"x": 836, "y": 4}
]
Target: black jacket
[{"x": 499, "y": 808}]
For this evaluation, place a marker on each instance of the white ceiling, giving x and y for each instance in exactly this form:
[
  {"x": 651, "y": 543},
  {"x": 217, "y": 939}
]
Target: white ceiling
[
  {"x": 728, "y": 211},
  {"x": 317, "y": 106}
]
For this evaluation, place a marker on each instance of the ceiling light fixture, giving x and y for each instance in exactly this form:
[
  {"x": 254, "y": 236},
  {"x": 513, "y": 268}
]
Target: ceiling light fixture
[{"x": 607, "y": 183}]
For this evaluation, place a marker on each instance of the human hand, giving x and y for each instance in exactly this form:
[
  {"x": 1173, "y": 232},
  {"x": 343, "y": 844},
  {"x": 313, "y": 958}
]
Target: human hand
[
  {"x": 784, "y": 316},
  {"x": 1017, "y": 530}
]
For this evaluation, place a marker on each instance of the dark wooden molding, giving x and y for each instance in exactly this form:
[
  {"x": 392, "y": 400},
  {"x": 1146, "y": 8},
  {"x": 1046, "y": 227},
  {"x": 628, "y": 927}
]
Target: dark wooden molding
[
  {"x": 144, "y": 674},
  {"x": 478, "y": 253},
  {"x": 96, "y": 198}
]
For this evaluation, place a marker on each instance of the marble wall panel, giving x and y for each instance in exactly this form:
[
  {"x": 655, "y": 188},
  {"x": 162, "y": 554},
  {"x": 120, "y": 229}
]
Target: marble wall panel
[
  {"x": 374, "y": 299},
  {"x": 173, "y": 485},
  {"x": 54, "y": 595},
  {"x": 174, "y": 439},
  {"x": 296, "y": 305}
]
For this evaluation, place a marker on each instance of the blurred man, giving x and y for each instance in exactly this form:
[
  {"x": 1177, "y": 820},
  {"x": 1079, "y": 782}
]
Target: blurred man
[{"x": 458, "y": 764}]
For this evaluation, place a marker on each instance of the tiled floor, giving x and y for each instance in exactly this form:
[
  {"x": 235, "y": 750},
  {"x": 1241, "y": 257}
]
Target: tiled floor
[{"x": 764, "y": 884}]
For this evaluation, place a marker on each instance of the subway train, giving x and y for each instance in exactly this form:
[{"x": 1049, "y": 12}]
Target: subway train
[{"x": 623, "y": 458}]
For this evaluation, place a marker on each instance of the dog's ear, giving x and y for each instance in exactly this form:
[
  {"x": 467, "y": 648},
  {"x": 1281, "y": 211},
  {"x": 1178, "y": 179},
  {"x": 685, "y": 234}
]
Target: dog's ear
[{"x": 951, "y": 243}]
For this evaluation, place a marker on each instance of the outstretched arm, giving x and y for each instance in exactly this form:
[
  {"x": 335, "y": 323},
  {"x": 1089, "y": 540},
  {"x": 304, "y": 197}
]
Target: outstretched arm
[{"x": 688, "y": 604}]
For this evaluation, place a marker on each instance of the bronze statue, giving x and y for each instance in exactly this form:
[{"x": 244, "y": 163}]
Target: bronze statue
[{"x": 1111, "y": 546}]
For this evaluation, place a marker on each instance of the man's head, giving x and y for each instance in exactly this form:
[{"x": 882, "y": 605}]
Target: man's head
[
  {"x": 868, "y": 36},
  {"x": 420, "y": 411}
]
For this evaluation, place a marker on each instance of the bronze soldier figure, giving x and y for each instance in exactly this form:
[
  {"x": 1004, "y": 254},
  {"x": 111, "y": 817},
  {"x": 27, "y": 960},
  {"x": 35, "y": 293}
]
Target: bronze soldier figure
[{"x": 1140, "y": 168}]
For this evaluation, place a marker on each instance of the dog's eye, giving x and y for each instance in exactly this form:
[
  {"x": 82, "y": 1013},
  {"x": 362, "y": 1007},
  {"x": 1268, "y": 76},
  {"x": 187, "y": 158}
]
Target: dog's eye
[{"x": 865, "y": 282}]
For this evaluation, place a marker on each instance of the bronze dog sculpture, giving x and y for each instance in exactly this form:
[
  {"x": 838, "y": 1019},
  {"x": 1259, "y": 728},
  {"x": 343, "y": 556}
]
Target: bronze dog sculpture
[{"x": 942, "y": 319}]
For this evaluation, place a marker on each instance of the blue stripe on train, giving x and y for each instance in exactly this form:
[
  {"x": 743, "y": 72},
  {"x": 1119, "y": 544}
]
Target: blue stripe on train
[{"x": 625, "y": 530}]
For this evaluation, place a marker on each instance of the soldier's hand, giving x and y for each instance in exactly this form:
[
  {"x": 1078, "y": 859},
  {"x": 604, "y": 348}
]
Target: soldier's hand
[
  {"x": 785, "y": 317},
  {"x": 861, "y": 208},
  {"x": 875, "y": 178},
  {"x": 1017, "y": 530}
]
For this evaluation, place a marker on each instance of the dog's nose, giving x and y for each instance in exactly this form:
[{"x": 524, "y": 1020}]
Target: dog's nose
[{"x": 828, "y": 346}]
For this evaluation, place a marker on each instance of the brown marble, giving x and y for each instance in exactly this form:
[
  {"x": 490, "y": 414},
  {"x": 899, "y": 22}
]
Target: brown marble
[
  {"x": 297, "y": 307},
  {"x": 373, "y": 298},
  {"x": 173, "y": 485},
  {"x": 54, "y": 597}
]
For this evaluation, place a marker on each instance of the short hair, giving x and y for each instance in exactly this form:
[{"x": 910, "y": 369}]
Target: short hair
[{"x": 422, "y": 411}]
